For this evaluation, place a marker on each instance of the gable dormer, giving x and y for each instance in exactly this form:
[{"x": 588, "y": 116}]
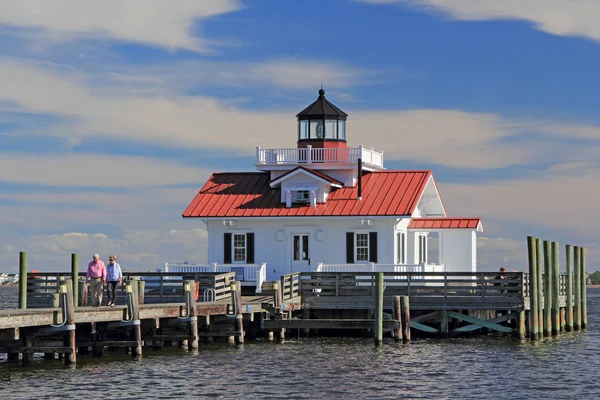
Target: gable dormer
[{"x": 302, "y": 185}]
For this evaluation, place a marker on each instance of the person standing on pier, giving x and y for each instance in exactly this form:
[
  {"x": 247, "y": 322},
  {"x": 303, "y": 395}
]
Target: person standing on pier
[
  {"x": 96, "y": 277},
  {"x": 114, "y": 277}
]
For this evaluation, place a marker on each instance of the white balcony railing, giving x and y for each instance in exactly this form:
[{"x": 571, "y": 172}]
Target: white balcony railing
[
  {"x": 253, "y": 274},
  {"x": 310, "y": 155},
  {"x": 372, "y": 267}
]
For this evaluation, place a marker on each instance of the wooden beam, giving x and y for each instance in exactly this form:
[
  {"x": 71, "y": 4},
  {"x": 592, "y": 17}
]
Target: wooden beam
[
  {"x": 475, "y": 326},
  {"x": 388, "y": 324},
  {"x": 10, "y": 334},
  {"x": 423, "y": 327},
  {"x": 483, "y": 323}
]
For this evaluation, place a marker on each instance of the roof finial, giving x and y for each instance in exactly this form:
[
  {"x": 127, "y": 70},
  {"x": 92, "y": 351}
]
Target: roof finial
[{"x": 321, "y": 91}]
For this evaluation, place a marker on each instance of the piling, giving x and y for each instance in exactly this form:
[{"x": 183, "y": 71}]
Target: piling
[
  {"x": 397, "y": 311},
  {"x": 577, "y": 287},
  {"x": 23, "y": 279},
  {"x": 583, "y": 289},
  {"x": 378, "y": 331},
  {"x": 278, "y": 304},
  {"x": 521, "y": 332},
  {"x": 547, "y": 288},
  {"x": 555, "y": 289},
  {"x": 67, "y": 289},
  {"x": 236, "y": 300},
  {"x": 142, "y": 290},
  {"x": 540, "y": 283},
  {"x": 533, "y": 288},
  {"x": 193, "y": 313},
  {"x": 136, "y": 329},
  {"x": 83, "y": 293},
  {"x": 405, "y": 308},
  {"x": 569, "y": 282},
  {"x": 75, "y": 278}
]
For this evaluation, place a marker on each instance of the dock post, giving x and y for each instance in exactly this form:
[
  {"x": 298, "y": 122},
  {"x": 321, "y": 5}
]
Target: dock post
[
  {"x": 142, "y": 290},
  {"x": 236, "y": 300},
  {"x": 67, "y": 288},
  {"x": 583, "y": 288},
  {"x": 533, "y": 288},
  {"x": 379, "y": 308},
  {"x": 23, "y": 279},
  {"x": 577, "y": 286},
  {"x": 55, "y": 304},
  {"x": 547, "y": 288},
  {"x": 132, "y": 288},
  {"x": 75, "y": 278},
  {"x": 540, "y": 283},
  {"x": 398, "y": 317},
  {"x": 83, "y": 293},
  {"x": 555, "y": 289},
  {"x": 569, "y": 311},
  {"x": 190, "y": 286},
  {"x": 405, "y": 306},
  {"x": 278, "y": 304}
]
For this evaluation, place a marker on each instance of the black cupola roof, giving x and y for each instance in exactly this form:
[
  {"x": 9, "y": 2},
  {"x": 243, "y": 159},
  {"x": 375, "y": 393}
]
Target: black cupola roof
[{"x": 321, "y": 109}]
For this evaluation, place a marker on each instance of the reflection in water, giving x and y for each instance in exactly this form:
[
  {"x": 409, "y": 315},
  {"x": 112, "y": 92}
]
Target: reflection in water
[{"x": 481, "y": 367}]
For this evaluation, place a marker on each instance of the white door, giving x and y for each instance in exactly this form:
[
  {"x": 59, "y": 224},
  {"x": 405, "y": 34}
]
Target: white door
[{"x": 301, "y": 252}]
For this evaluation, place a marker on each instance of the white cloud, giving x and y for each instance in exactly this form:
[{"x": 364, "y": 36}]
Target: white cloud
[
  {"x": 95, "y": 170},
  {"x": 52, "y": 252},
  {"x": 557, "y": 17},
  {"x": 166, "y": 24}
]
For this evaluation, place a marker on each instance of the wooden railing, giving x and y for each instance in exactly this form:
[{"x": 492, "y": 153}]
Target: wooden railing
[
  {"x": 290, "y": 286},
  {"x": 160, "y": 287}
]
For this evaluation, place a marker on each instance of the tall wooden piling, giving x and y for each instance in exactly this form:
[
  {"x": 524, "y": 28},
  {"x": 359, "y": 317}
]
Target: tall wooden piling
[
  {"x": 569, "y": 283},
  {"x": 555, "y": 289},
  {"x": 397, "y": 310},
  {"x": 142, "y": 291},
  {"x": 23, "y": 279},
  {"x": 132, "y": 288},
  {"x": 378, "y": 331},
  {"x": 534, "y": 330},
  {"x": 540, "y": 284},
  {"x": 577, "y": 286},
  {"x": 193, "y": 314},
  {"x": 278, "y": 305},
  {"x": 547, "y": 288},
  {"x": 236, "y": 300},
  {"x": 67, "y": 289},
  {"x": 405, "y": 311},
  {"x": 583, "y": 289},
  {"x": 75, "y": 278}
]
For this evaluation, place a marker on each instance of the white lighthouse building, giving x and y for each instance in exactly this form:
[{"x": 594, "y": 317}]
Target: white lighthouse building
[{"x": 325, "y": 206}]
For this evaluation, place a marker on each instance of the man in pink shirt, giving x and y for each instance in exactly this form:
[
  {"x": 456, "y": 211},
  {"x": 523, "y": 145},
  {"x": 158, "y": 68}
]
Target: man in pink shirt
[{"x": 96, "y": 276}]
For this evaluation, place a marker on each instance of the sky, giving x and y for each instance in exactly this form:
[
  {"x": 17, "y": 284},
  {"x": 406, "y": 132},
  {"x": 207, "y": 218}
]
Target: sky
[{"x": 113, "y": 114}]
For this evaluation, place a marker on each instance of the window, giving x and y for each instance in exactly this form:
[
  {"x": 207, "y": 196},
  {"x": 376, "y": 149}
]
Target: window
[
  {"x": 400, "y": 248},
  {"x": 302, "y": 129},
  {"x": 302, "y": 196},
  {"x": 316, "y": 129},
  {"x": 362, "y": 247},
  {"x": 422, "y": 249},
  {"x": 342, "y": 130},
  {"x": 239, "y": 247},
  {"x": 330, "y": 129}
]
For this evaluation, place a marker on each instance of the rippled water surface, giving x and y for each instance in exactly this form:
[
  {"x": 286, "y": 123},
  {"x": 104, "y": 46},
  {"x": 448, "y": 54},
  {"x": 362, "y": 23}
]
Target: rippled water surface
[{"x": 474, "y": 368}]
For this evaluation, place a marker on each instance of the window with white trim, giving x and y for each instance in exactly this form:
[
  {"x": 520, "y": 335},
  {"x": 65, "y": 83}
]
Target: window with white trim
[
  {"x": 422, "y": 249},
  {"x": 400, "y": 248},
  {"x": 362, "y": 247},
  {"x": 239, "y": 247}
]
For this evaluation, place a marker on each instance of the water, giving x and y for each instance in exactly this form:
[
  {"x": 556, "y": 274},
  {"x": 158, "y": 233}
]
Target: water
[{"x": 473, "y": 368}]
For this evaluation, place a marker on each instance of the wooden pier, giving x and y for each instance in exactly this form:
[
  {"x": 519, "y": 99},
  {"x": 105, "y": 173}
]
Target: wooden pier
[{"x": 165, "y": 309}]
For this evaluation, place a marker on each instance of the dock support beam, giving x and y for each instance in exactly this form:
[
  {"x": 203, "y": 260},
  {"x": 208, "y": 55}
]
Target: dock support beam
[
  {"x": 569, "y": 311},
  {"x": 236, "y": 300},
  {"x": 398, "y": 317},
  {"x": 67, "y": 288},
  {"x": 555, "y": 289},
  {"x": 23, "y": 279},
  {"x": 583, "y": 289},
  {"x": 75, "y": 278},
  {"x": 577, "y": 285},
  {"x": 378, "y": 308},
  {"x": 190, "y": 287},
  {"x": 278, "y": 304},
  {"x": 547, "y": 288},
  {"x": 540, "y": 283},
  {"x": 132, "y": 288},
  {"x": 405, "y": 306},
  {"x": 533, "y": 288}
]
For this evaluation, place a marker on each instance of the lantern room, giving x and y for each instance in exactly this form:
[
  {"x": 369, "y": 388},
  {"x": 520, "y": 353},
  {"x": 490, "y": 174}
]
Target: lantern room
[{"x": 322, "y": 125}]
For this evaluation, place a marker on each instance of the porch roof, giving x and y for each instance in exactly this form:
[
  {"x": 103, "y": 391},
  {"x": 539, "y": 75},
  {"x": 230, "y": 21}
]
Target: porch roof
[{"x": 445, "y": 223}]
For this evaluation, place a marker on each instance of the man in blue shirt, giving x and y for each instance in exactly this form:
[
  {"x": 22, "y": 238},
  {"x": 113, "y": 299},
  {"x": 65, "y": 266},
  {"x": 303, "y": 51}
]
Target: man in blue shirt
[{"x": 114, "y": 277}]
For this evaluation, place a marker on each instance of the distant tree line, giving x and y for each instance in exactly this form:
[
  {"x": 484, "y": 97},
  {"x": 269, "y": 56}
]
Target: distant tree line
[{"x": 595, "y": 278}]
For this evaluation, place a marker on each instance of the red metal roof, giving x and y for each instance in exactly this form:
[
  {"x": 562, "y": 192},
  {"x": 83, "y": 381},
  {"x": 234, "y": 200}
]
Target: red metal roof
[
  {"x": 318, "y": 174},
  {"x": 239, "y": 195},
  {"x": 444, "y": 223}
]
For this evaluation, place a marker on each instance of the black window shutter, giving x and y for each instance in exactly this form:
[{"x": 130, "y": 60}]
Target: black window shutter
[
  {"x": 227, "y": 249},
  {"x": 350, "y": 247},
  {"x": 373, "y": 247},
  {"x": 250, "y": 248}
]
